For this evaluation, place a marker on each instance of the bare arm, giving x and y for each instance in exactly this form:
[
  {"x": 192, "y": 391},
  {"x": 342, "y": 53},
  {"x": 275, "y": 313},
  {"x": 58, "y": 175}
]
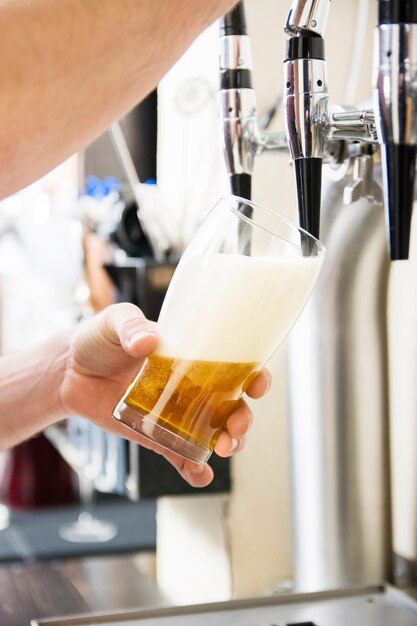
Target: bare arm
[
  {"x": 30, "y": 384},
  {"x": 68, "y": 68}
]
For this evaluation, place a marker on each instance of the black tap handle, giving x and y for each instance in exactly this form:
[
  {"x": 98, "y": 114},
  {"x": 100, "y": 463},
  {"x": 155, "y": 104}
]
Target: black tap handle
[
  {"x": 399, "y": 162},
  {"x": 304, "y": 48},
  {"x": 241, "y": 185},
  {"x": 308, "y": 185},
  {"x": 234, "y": 22},
  {"x": 397, "y": 12}
]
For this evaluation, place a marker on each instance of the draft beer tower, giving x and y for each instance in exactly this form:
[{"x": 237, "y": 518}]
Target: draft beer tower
[{"x": 340, "y": 538}]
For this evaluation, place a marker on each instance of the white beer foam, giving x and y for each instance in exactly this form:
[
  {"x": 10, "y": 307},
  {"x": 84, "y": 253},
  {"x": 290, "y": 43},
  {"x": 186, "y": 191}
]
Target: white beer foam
[{"x": 227, "y": 307}]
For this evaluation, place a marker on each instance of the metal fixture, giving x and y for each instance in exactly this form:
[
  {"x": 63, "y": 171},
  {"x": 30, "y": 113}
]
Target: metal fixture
[{"x": 312, "y": 124}]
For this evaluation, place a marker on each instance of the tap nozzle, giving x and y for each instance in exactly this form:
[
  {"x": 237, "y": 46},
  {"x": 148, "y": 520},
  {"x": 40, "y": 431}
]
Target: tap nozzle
[
  {"x": 395, "y": 105},
  {"x": 234, "y": 22},
  {"x": 308, "y": 184},
  {"x": 306, "y": 110}
]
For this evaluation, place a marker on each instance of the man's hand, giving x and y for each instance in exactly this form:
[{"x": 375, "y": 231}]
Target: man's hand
[{"x": 105, "y": 354}]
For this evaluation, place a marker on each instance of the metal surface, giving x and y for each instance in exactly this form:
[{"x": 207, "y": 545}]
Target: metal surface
[
  {"x": 235, "y": 53},
  {"x": 395, "y": 104},
  {"x": 272, "y": 143},
  {"x": 351, "y": 123},
  {"x": 395, "y": 83},
  {"x": 310, "y": 121},
  {"x": 237, "y": 107},
  {"x": 308, "y": 16},
  {"x": 363, "y": 184},
  {"x": 339, "y": 406},
  {"x": 306, "y": 107},
  {"x": 374, "y": 606},
  {"x": 238, "y": 111}
]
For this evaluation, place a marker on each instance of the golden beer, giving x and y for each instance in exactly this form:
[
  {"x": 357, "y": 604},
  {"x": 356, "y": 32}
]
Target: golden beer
[{"x": 190, "y": 398}]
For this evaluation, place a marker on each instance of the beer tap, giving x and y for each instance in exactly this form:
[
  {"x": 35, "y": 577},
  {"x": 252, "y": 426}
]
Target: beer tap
[
  {"x": 237, "y": 101},
  {"x": 242, "y": 138},
  {"x": 395, "y": 104},
  {"x": 317, "y": 132},
  {"x": 310, "y": 122},
  {"x": 306, "y": 107}
]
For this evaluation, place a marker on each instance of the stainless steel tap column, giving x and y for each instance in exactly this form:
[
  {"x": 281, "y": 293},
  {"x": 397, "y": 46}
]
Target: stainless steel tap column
[
  {"x": 339, "y": 406},
  {"x": 338, "y": 349}
]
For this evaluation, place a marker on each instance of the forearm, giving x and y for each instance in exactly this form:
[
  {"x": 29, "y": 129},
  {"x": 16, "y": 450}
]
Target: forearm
[
  {"x": 30, "y": 384},
  {"x": 70, "y": 67}
]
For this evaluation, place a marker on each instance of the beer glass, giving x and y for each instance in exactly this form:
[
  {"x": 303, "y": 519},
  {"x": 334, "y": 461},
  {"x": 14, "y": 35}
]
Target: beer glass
[{"x": 238, "y": 289}]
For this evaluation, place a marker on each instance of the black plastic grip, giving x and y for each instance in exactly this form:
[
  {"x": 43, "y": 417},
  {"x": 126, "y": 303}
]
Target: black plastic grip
[
  {"x": 399, "y": 163},
  {"x": 304, "y": 48},
  {"x": 241, "y": 185},
  {"x": 397, "y": 12},
  {"x": 308, "y": 183},
  {"x": 234, "y": 22},
  {"x": 235, "y": 79}
]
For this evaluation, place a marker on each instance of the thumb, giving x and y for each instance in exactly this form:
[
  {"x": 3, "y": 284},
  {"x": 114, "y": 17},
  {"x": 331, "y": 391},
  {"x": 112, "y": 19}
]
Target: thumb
[{"x": 125, "y": 324}]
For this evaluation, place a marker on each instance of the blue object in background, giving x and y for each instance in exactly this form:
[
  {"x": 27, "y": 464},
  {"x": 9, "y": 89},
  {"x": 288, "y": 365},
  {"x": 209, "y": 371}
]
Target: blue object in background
[{"x": 98, "y": 189}]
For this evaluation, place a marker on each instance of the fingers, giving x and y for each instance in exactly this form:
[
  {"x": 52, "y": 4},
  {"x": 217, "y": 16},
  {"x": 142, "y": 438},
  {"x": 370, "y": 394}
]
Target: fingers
[
  {"x": 239, "y": 421},
  {"x": 227, "y": 445},
  {"x": 232, "y": 439},
  {"x": 125, "y": 324},
  {"x": 260, "y": 385},
  {"x": 197, "y": 475}
]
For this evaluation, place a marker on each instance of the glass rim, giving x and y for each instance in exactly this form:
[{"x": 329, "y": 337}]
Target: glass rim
[{"x": 288, "y": 222}]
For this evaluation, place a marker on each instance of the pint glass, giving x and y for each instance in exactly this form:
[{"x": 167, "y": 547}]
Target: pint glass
[{"x": 237, "y": 291}]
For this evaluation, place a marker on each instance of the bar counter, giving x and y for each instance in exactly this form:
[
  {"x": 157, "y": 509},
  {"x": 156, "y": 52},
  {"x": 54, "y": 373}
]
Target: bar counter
[{"x": 67, "y": 587}]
